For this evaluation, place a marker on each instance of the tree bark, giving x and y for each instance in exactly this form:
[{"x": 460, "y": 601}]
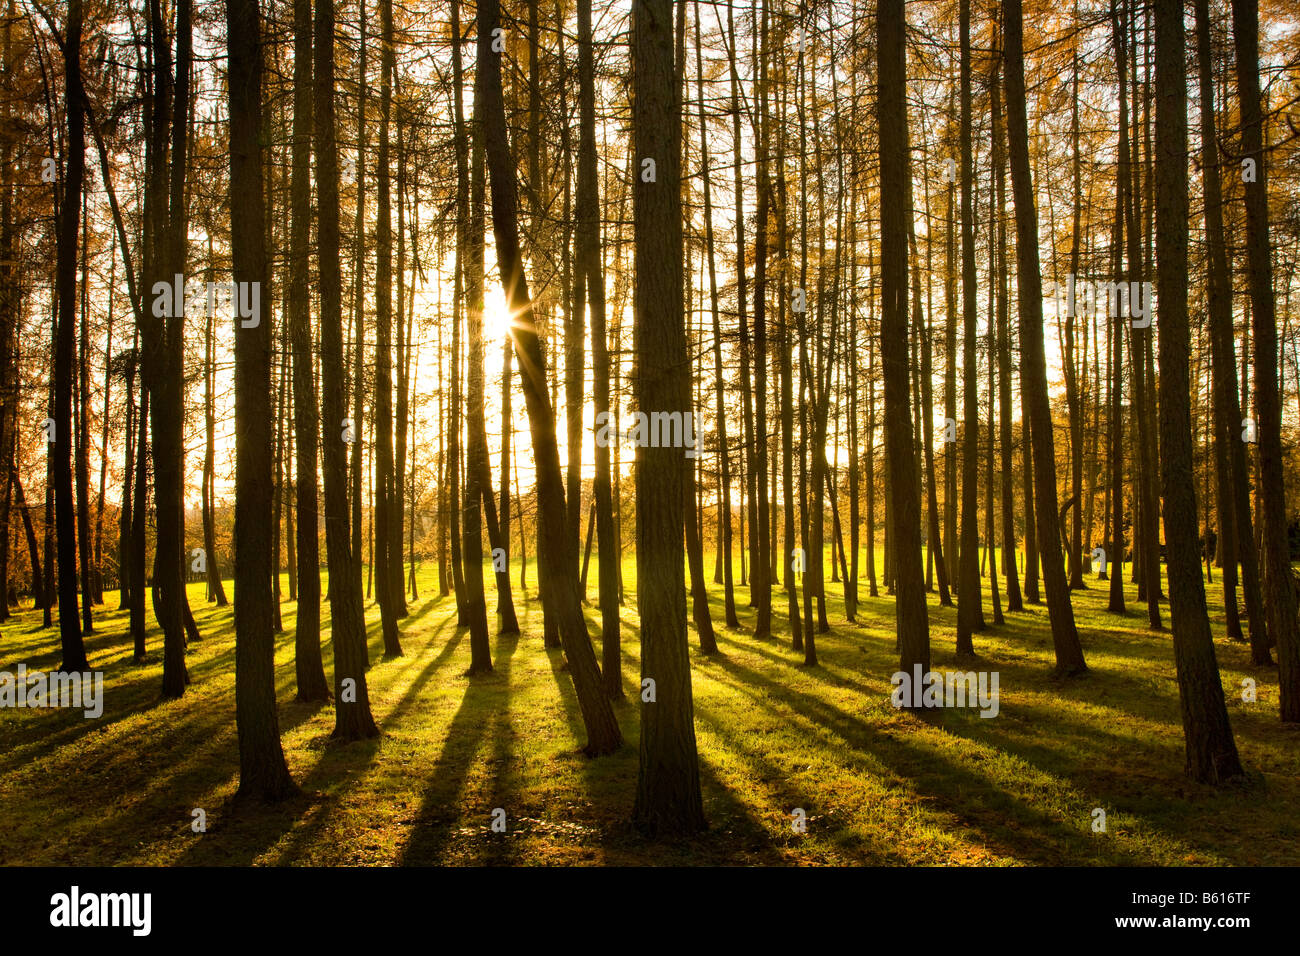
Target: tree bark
[
  {"x": 1033, "y": 366},
  {"x": 263, "y": 773}
]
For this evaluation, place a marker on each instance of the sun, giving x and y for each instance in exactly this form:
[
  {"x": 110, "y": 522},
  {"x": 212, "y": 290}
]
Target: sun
[{"x": 496, "y": 315}]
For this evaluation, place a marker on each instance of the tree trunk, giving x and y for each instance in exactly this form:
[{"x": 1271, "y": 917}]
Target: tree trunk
[
  {"x": 1211, "y": 751},
  {"x": 603, "y": 735},
  {"x": 263, "y": 773},
  {"x": 668, "y": 799},
  {"x": 73, "y": 649},
  {"x": 309, "y": 669},
  {"x": 352, "y": 717},
  {"x": 1033, "y": 366},
  {"x": 970, "y": 608},
  {"x": 385, "y": 585},
  {"x": 912, "y": 625},
  {"x": 1281, "y": 600}
]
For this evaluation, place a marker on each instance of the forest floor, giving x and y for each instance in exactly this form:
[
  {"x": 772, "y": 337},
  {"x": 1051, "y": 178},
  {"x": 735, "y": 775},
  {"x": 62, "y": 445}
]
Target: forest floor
[{"x": 877, "y": 785}]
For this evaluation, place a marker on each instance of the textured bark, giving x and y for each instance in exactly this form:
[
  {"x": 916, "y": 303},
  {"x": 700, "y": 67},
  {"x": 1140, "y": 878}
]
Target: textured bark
[
  {"x": 352, "y": 717},
  {"x": 358, "y": 313},
  {"x": 1280, "y": 601},
  {"x": 1006, "y": 438},
  {"x": 1115, "y": 436},
  {"x": 387, "y": 578},
  {"x": 1211, "y": 751},
  {"x": 471, "y": 255},
  {"x": 724, "y": 452},
  {"x": 163, "y": 337},
  {"x": 73, "y": 650},
  {"x": 263, "y": 773},
  {"x": 760, "y": 571},
  {"x": 1235, "y": 523},
  {"x": 970, "y": 608},
  {"x": 82, "y": 444},
  {"x": 308, "y": 666},
  {"x": 603, "y": 735},
  {"x": 912, "y": 625},
  {"x": 1033, "y": 367},
  {"x": 668, "y": 799}
]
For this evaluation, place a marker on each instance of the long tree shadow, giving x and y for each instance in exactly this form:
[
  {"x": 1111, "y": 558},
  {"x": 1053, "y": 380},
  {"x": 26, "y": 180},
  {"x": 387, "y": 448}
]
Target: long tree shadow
[
  {"x": 432, "y": 831},
  {"x": 248, "y": 832},
  {"x": 999, "y": 816}
]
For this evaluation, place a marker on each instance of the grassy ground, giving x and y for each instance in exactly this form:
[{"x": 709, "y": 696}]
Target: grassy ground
[{"x": 877, "y": 786}]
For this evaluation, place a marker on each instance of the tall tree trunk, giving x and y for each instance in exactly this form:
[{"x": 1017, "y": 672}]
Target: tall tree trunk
[
  {"x": 82, "y": 444},
  {"x": 383, "y": 401},
  {"x": 216, "y": 589},
  {"x": 1211, "y": 751},
  {"x": 603, "y": 735},
  {"x": 1115, "y": 437},
  {"x": 476, "y": 452},
  {"x": 1003, "y": 346},
  {"x": 1033, "y": 366},
  {"x": 1236, "y": 527},
  {"x": 263, "y": 773},
  {"x": 1280, "y": 602},
  {"x": 912, "y": 626},
  {"x": 970, "y": 607},
  {"x": 72, "y": 647},
  {"x": 356, "y": 466},
  {"x": 761, "y": 571},
  {"x": 164, "y": 338},
  {"x": 309, "y": 668},
  {"x": 352, "y": 717},
  {"x": 724, "y": 452},
  {"x": 138, "y": 525},
  {"x": 668, "y": 798}
]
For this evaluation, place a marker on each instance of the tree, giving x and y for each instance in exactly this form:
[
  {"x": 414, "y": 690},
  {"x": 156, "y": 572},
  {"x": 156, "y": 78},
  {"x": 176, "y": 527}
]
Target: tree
[
  {"x": 163, "y": 337},
  {"x": 1211, "y": 751},
  {"x": 475, "y": 453},
  {"x": 1280, "y": 599},
  {"x": 263, "y": 773},
  {"x": 307, "y": 655},
  {"x": 1033, "y": 366},
  {"x": 73, "y": 648},
  {"x": 388, "y": 574},
  {"x": 352, "y": 717},
  {"x": 912, "y": 625},
  {"x": 603, "y": 735},
  {"x": 593, "y": 281},
  {"x": 970, "y": 608},
  {"x": 668, "y": 799},
  {"x": 1235, "y": 523}
]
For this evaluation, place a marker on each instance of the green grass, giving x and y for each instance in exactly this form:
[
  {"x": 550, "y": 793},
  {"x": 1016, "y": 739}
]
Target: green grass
[{"x": 878, "y": 786}]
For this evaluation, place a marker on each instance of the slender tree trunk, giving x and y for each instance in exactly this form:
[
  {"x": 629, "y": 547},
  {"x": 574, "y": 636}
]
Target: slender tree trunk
[
  {"x": 263, "y": 773},
  {"x": 1211, "y": 751},
  {"x": 970, "y": 608},
  {"x": 1278, "y": 584},
  {"x": 1236, "y": 527},
  {"x": 603, "y": 735},
  {"x": 1033, "y": 370},
  {"x": 912, "y": 625},
  {"x": 72, "y": 647},
  {"x": 668, "y": 798},
  {"x": 309, "y": 668},
  {"x": 352, "y": 717},
  {"x": 476, "y": 452}
]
